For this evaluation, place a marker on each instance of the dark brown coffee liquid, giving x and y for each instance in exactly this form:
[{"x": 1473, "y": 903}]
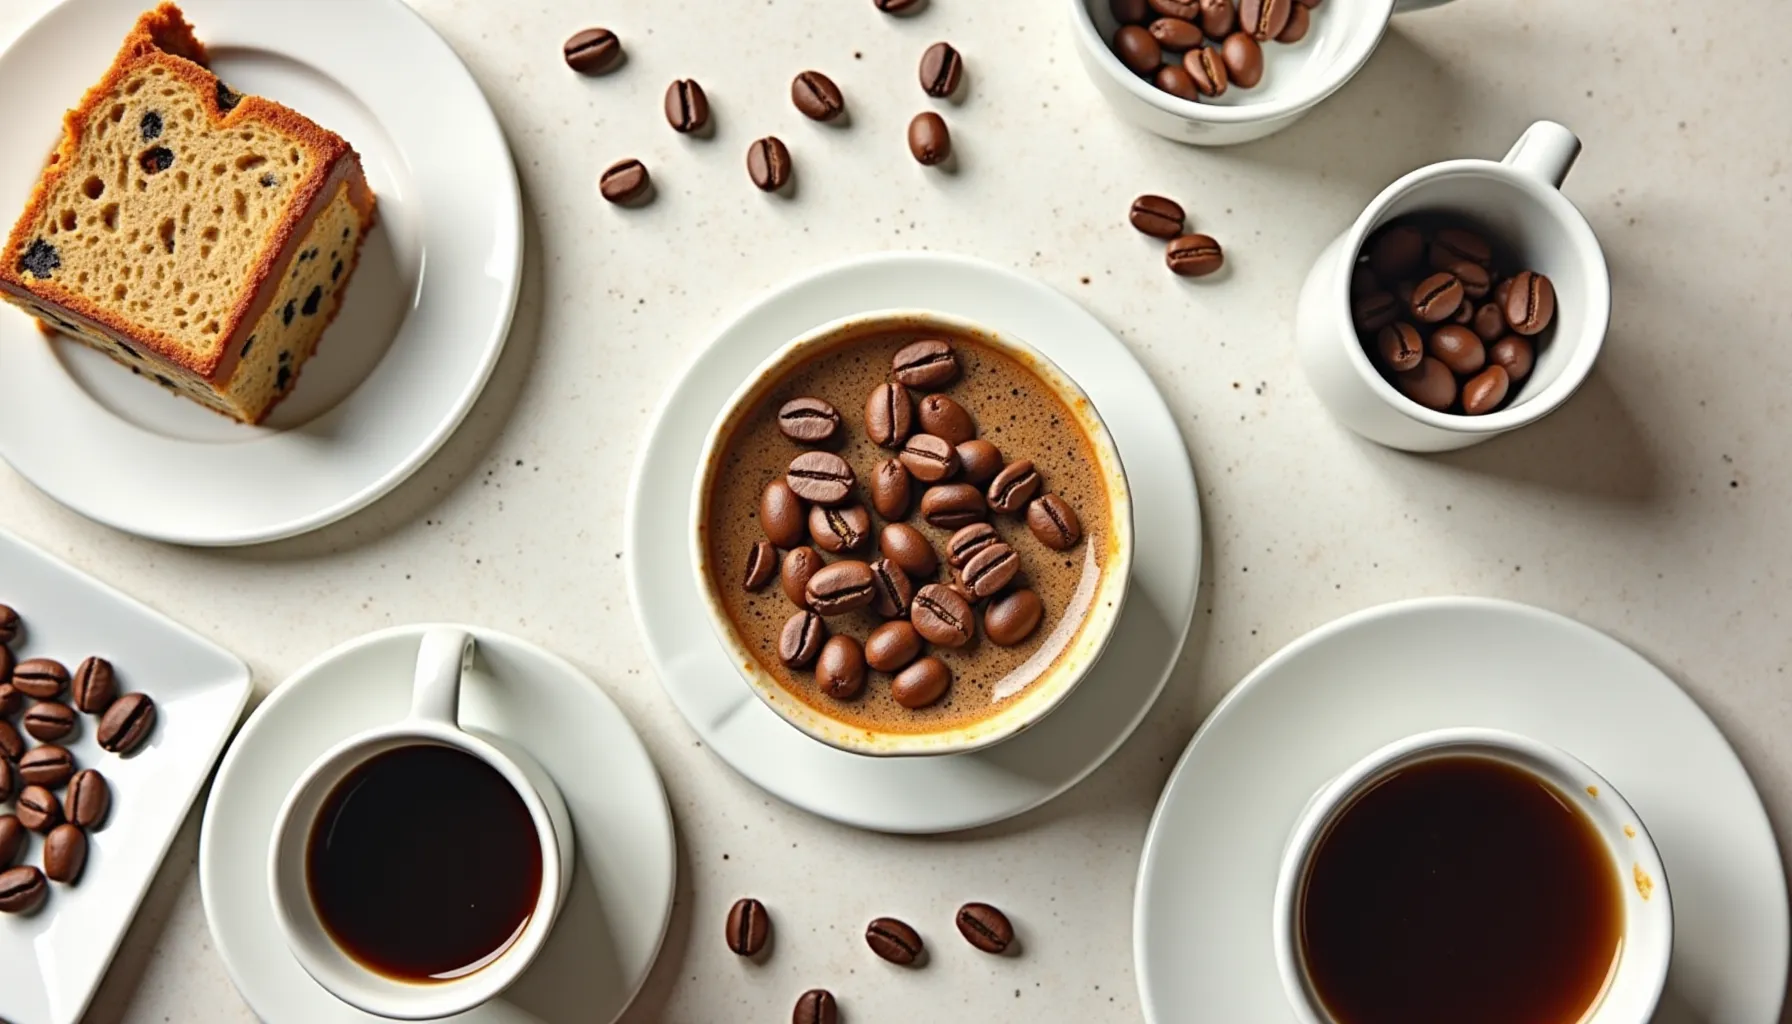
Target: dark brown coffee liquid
[
  {"x": 1463, "y": 890},
  {"x": 424, "y": 864}
]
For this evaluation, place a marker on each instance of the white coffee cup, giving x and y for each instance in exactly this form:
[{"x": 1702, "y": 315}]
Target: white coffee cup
[
  {"x": 1635, "y": 985},
  {"x": 443, "y": 657},
  {"x": 1518, "y": 202},
  {"x": 1296, "y": 77}
]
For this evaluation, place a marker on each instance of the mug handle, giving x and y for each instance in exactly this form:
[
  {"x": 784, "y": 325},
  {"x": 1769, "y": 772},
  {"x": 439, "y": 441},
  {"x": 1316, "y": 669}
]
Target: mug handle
[
  {"x": 444, "y": 655},
  {"x": 1407, "y": 6},
  {"x": 1546, "y": 151}
]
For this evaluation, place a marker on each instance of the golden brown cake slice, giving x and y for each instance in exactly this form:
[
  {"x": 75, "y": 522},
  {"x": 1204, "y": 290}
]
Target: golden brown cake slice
[{"x": 201, "y": 237}]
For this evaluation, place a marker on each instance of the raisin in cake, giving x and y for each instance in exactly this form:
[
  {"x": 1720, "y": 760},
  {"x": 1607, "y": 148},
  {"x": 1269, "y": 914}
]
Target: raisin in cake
[{"x": 199, "y": 236}]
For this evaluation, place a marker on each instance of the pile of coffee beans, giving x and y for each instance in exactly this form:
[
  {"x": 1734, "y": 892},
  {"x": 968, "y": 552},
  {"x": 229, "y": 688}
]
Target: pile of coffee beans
[
  {"x": 961, "y": 479},
  {"x": 1197, "y": 49},
  {"x": 1445, "y": 315},
  {"x": 30, "y": 776},
  {"x": 1187, "y": 255}
]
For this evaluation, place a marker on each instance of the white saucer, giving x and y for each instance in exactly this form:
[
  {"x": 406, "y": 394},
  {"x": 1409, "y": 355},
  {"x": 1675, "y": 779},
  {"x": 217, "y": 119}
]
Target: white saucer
[
  {"x": 621, "y": 901},
  {"x": 1201, "y": 916},
  {"x": 424, "y": 321},
  {"x": 936, "y": 794}
]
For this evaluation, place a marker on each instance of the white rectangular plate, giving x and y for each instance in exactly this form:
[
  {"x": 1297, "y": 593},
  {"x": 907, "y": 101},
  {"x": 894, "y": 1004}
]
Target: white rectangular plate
[{"x": 52, "y": 961}]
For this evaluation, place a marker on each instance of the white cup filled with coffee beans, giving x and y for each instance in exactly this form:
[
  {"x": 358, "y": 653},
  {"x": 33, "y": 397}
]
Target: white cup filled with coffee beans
[
  {"x": 1469, "y": 299},
  {"x": 417, "y": 869}
]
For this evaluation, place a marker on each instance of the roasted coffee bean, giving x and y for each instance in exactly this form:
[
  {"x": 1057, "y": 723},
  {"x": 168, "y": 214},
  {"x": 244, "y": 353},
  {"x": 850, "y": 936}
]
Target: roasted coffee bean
[
  {"x": 889, "y": 415},
  {"x": 898, "y": 6},
  {"x": 1207, "y": 67},
  {"x": 1014, "y": 486},
  {"x": 979, "y": 461},
  {"x": 799, "y": 565},
  {"x": 1435, "y": 298},
  {"x": 687, "y": 107},
  {"x": 9, "y": 780},
  {"x": 841, "y": 587},
  {"x": 87, "y": 800},
  {"x": 1129, "y": 12},
  {"x": 592, "y": 51},
  {"x": 1465, "y": 314},
  {"x": 40, "y": 678},
  {"x": 840, "y": 671},
  {"x": 1054, "y": 522},
  {"x": 929, "y": 459},
  {"x": 838, "y": 530},
  {"x": 942, "y": 417},
  {"x": 1011, "y": 618},
  {"x": 821, "y": 477},
  {"x": 1157, "y": 216},
  {"x": 1137, "y": 49},
  {"x": 11, "y": 700},
  {"x": 624, "y": 181},
  {"x": 94, "y": 686},
  {"x": 781, "y": 515},
  {"x": 928, "y": 139},
  {"x": 990, "y": 571},
  {"x": 1485, "y": 391},
  {"x": 1452, "y": 244},
  {"x": 49, "y": 766},
  {"x": 800, "y": 641},
  {"x": 950, "y": 506},
  {"x": 815, "y": 1006},
  {"x": 892, "y": 645},
  {"x": 1263, "y": 19},
  {"x": 890, "y": 485},
  {"x": 768, "y": 164},
  {"x": 1431, "y": 384},
  {"x": 816, "y": 96},
  {"x": 908, "y": 549},
  {"x": 942, "y": 616},
  {"x": 985, "y": 927},
  {"x": 1400, "y": 346},
  {"x": 1501, "y": 292},
  {"x": 1218, "y": 17},
  {"x": 22, "y": 890},
  {"x": 1300, "y": 21},
  {"x": 1403, "y": 290},
  {"x": 1396, "y": 252},
  {"x": 1372, "y": 312},
  {"x": 917, "y": 686},
  {"x": 1187, "y": 10},
  {"x": 1476, "y": 281},
  {"x": 1515, "y": 354},
  {"x": 1194, "y": 256},
  {"x": 748, "y": 926},
  {"x": 970, "y": 542},
  {"x": 1244, "y": 60},
  {"x": 762, "y": 565},
  {"x": 926, "y": 365},
  {"x": 9, "y": 624},
  {"x": 12, "y": 839},
  {"x": 808, "y": 420},
  {"x": 1458, "y": 348},
  {"x": 127, "y": 723},
  {"x": 892, "y": 588},
  {"x": 889, "y": 938},
  {"x": 1489, "y": 323},
  {"x": 1176, "y": 34},
  {"x": 48, "y": 721},
  {"x": 1530, "y": 306},
  {"x": 12, "y": 745},
  {"x": 1175, "y": 80},
  {"x": 65, "y": 852},
  {"x": 941, "y": 70},
  {"x": 38, "y": 810}
]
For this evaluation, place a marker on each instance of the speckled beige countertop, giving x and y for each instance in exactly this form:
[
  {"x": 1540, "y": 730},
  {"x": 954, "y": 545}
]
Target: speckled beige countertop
[{"x": 1652, "y": 506}]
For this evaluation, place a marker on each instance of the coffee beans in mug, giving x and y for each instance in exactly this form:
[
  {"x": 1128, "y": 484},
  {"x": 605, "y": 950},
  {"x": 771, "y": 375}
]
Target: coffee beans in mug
[
  {"x": 944, "y": 418},
  {"x": 990, "y": 571},
  {"x": 1157, "y": 216},
  {"x": 1485, "y": 391},
  {"x": 9, "y": 624},
  {"x": 49, "y": 721},
  {"x": 1244, "y": 60},
  {"x": 1476, "y": 280},
  {"x": 94, "y": 686},
  {"x": 921, "y": 684},
  {"x": 808, "y": 421},
  {"x": 800, "y": 564},
  {"x": 762, "y": 565},
  {"x": 37, "y": 809},
  {"x": 1014, "y": 486},
  {"x": 1435, "y": 298},
  {"x": 942, "y": 616},
  {"x": 1263, "y": 19},
  {"x": 969, "y": 542},
  {"x": 768, "y": 164},
  {"x": 87, "y": 801},
  {"x": 1489, "y": 322},
  {"x": 800, "y": 642},
  {"x": 942, "y": 68},
  {"x": 840, "y": 670},
  {"x": 1452, "y": 244},
  {"x": 815, "y": 1006},
  {"x": 65, "y": 853},
  {"x": 1011, "y": 618},
  {"x": 127, "y": 723},
  {"x": 985, "y": 927},
  {"x": 49, "y": 766},
  {"x": 908, "y": 549},
  {"x": 1515, "y": 355},
  {"x": 950, "y": 506},
  {"x": 1459, "y": 349},
  {"x": 1431, "y": 384},
  {"x": 1372, "y": 312},
  {"x": 925, "y": 365},
  {"x": 1530, "y": 306},
  {"x": 889, "y": 415},
  {"x": 749, "y": 927},
  {"x": 1400, "y": 346},
  {"x": 625, "y": 181},
  {"x": 1054, "y": 522},
  {"x": 1218, "y": 17},
  {"x": 892, "y": 589},
  {"x": 979, "y": 461},
  {"x": 1176, "y": 34},
  {"x": 592, "y": 51},
  {"x": 841, "y": 587},
  {"x": 839, "y": 530},
  {"x": 817, "y": 97},
  {"x": 892, "y": 645},
  {"x": 894, "y": 940},
  {"x": 1396, "y": 253},
  {"x": 12, "y": 839},
  {"x": 821, "y": 477},
  {"x": 1137, "y": 49},
  {"x": 781, "y": 515},
  {"x": 40, "y": 678},
  {"x": 22, "y": 890},
  {"x": 687, "y": 107},
  {"x": 929, "y": 140},
  {"x": 1194, "y": 256},
  {"x": 1300, "y": 20},
  {"x": 929, "y": 459},
  {"x": 1175, "y": 80},
  {"x": 890, "y": 487},
  {"x": 1129, "y": 12},
  {"x": 12, "y": 745},
  {"x": 1206, "y": 66}
]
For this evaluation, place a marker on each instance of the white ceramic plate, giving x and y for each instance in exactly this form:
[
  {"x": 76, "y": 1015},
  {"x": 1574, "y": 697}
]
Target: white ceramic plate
[
  {"x": 931, "y": 794},
  {"x": 615, "y": 917},
  {"x": 51, "y": 962},
  {"x": 1203, "y": 907},
  {"x": 425, "y": 318}
]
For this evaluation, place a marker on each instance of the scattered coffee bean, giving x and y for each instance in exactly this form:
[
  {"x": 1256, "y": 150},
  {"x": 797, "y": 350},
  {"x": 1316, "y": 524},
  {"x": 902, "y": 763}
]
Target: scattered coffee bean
[
  {"x": 1129, "y": 12},
  {"x": 1218, "y": 18},
  {"x": 841, "y": 587},
  {"x": 950, "y": 506},
  {"x": 1515, "y": 354},
  {"x": 990, "y": 571},
  {"x": 889, "y": 415},
  {"x": 94, "y": 686},
  {"x": 985, "y": 927},
  {"x": 1157, "y": 216},
  {"x": 781, "y": 515},
  {"x": 592, "y": 51},
  {"x": 816, "y": 96},
  {"x": 817, "y": 1006},
  {"x": 1244, "y": 60},
  {"x": 929, "y": 459},
  {"x": 898, "y": 6},
  {"x": 1431, "y": 384},
  {"x": 840, "y": 671},
  {"x": 1194, "y": 256},
  {"x": 127, "y": 723},
  {"x": 11, "y": 700},
  {"x": 928, "y": 139},
  {"x": 821, "y": 477},
  {"x": 800, "y": 642},
  {"x": 979, "y": 461},
  {"x": 748, "y": 927},
  {"x": 22, "y": 890},
  {"x": 892, "y": 588},
  {"x": 1011, "y": 618},
  {"x": 891, "y": 939},
  {"x": 12, "y": 745},
  {"x": 945, "y": 418},
  {"x": 1054, "y": 522},
  {"x": 687, "y": 106},
  {"x": 925, "y": 365},
  {"x": 49, "y": 721},
  {"x": 40, "y": 678},
  {"x": 9, "y": 780},
  {"x": 1175, "y": 80},
  {"x": 1137, "y": 49},
  {"x": 970, "y": 542},
  {"x": 38, "y": 810},
  {"x": 1458, "y": 348},
  {"x": 1176, "y": 34},
  {"x": 624, "y": 181},
  {"x": 838, "y": 530},
  {"x": 762, "y": 565},
  {"x": 1452, "y": 244},
  {"x": 65, "y": 853},
  {"x": 9, "y": 624},
  {"x": 942, "y": 616},
  {"x": 1014, "y": 486},
  {"x": 1300, "y": 20},
  {"x": 808, "y": 421},
  {"x": 890, "y": 489},
  {"x": 907, "y": 548},
  {"x": 1374, "y": 311},
  {"x": 1485, "y": 391},
  {"x": 1489, "y": 323},
  {"x": 12, "y": 839},
  {"x": 1401, "y": 346},
  {"x": 1436, "y": 298},
  {"x": 1530, "y": 307},
  {"x": 892, "y": 645},
  {"x": 941, "y": 70},
  {"x": 49, "y": 766},
  {"x": 1397, "y": 252},
  {"x": 1263, "y": 19},
  {"x": 768, "y": 164},
  {"x": 87, "y": 800},
  {"x": 1206, "y": 67},
  {"x": 800, "y": 564}
]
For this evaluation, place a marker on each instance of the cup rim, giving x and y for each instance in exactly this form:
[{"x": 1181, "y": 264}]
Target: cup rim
[
  {"x": 1558, "y": 766},
  {"x": 297, "y": 916},
  {"x": 1044, "y": 694},
  {"x": 1598, "y": 298},
  {"x": 1083, "y": 23}
]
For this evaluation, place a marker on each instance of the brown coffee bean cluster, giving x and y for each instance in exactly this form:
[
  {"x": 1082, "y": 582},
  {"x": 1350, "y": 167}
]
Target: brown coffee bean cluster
[
  {"x": 961, "y": 479},
  {"x": 1186, "y": 255},
  {"x": 30, "y": 776},
  {"x": 1437, "y": 312},
  {"x": 1197, "y": 49}
]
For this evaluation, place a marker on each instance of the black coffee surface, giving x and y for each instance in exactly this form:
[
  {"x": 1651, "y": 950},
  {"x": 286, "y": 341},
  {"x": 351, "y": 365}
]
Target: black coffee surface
[
  {"x": 1462, "y": 890},
  {"x": 424, "y": 864}
]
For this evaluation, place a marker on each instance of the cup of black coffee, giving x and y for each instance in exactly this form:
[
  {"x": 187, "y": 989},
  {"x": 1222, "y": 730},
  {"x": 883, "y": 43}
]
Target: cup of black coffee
[{"x": 418, "y": 868}]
